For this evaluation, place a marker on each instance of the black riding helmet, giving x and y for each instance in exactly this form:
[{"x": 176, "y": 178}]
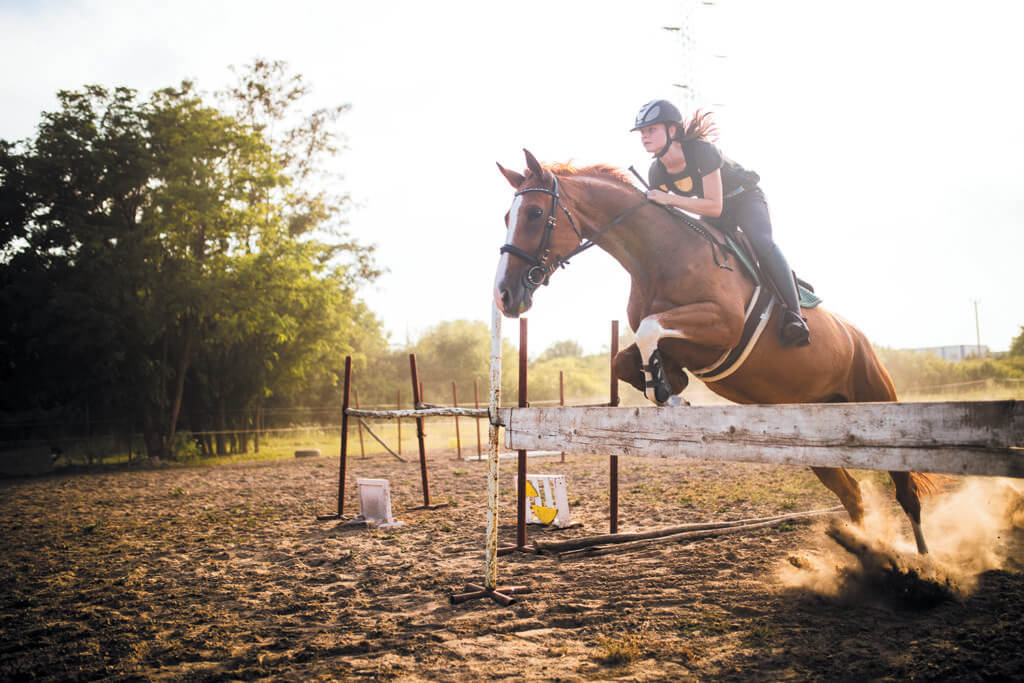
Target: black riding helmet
[{"x": 658, "y": 111}]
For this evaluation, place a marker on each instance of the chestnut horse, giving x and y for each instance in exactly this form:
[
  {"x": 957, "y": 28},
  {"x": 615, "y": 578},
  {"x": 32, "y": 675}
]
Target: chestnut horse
[{"x": 686, "y": 310}]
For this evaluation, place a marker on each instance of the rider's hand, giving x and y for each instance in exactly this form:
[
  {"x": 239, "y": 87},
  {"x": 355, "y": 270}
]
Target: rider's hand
[{"x": 658, "y": 196}]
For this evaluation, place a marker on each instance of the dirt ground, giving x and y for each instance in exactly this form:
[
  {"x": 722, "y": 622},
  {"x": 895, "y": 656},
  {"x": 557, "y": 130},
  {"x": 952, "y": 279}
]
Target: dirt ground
[{"x": 224, "y": 573}]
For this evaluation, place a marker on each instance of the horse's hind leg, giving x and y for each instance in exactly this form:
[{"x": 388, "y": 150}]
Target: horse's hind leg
[
  {"x": 839, "y": 481},
  {"x": 908, "y": 492}
]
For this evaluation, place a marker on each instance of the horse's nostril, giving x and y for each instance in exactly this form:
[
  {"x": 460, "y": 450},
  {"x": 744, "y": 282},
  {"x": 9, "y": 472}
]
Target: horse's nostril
[{"x": 506, "y": 299}]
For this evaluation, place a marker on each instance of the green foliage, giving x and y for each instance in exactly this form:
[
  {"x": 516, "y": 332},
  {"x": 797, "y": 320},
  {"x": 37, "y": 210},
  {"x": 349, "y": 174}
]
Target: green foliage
[
  {"x": 562, "y": 349},
  {"x": 584, "y": 377},
  {"x": 914, "y": 370},
  {"x": 164, "y": 261},
  {"x": 1017, "y": 345},
  {"x": 459, "y": 351}
]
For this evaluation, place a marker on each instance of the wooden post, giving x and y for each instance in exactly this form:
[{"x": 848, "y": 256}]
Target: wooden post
[
  {"x": 398, "y": 422},
  {"x": 476, "y": 404},
  {"x": 613, "y": 460},
  {"x": 359, "y": 426},
  {"x": 458, "y": 436}
]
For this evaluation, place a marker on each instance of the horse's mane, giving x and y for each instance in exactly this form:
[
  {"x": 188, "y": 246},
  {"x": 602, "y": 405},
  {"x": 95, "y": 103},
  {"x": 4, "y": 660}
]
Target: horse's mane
[{"x": 598, "y": 171}]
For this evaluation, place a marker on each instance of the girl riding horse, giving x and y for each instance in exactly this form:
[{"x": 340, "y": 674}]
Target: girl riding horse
[{"x": 690, "y": 173}]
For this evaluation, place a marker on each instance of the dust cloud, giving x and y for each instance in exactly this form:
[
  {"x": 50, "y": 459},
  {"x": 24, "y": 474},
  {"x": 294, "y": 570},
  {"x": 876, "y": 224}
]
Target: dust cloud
[{"x": 968, "y": 527}]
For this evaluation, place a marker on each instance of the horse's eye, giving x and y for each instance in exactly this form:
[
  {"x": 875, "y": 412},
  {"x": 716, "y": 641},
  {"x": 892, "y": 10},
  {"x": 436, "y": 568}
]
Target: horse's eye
[{"x": 533, "y": 213}]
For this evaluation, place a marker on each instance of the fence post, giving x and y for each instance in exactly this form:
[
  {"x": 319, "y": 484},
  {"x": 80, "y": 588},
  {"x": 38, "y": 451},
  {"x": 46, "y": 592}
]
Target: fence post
[
  {"x": 561, "y": 397},
  {"x": 458, "y": 436},
  {"x": 476, "y": 404},
  {"x": 398, "y": 422},
  {"x": 359, "y": 426}
]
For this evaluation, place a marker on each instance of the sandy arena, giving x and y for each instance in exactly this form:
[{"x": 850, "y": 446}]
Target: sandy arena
[{"x": 214, "y": 573}]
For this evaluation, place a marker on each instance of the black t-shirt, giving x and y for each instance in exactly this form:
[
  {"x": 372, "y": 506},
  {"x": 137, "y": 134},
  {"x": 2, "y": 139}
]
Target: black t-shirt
[{"x": 702, "y": 158}]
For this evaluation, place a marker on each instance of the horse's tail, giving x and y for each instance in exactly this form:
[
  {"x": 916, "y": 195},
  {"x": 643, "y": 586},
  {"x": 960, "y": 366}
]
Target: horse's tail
[{"x": 872, "y": 382}]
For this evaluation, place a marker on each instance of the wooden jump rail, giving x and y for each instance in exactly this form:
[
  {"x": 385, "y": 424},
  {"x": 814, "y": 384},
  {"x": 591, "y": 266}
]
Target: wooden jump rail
[
  {"x": 435, "y": 411},
  {"x": 979, "y": 438}
]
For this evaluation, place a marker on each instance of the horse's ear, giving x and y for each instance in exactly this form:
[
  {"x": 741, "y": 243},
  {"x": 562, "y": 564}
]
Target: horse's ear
[
  {"x": 514, "y": 179},
  {"x": 533, "y": 164}
]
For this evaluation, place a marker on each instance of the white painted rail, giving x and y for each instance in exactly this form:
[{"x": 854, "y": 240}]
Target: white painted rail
[{"x": 984, "y": 438}]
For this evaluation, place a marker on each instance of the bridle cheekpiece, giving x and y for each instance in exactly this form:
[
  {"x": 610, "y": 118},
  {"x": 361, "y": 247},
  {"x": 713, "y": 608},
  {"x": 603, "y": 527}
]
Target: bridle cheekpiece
[{"x": 541, "y": 263}]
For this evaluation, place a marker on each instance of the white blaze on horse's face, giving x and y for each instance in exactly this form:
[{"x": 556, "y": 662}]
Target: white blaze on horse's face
[{"x": 503, "y": 262}]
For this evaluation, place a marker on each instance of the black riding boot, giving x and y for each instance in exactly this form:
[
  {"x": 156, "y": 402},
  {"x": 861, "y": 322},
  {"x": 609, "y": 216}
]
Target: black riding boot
[{"x": 793, "y": 331}]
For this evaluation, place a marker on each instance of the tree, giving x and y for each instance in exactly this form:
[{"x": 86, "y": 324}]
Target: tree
[
  {"x": 1017, "y": 345},
  {"x": 151, "y": 253},
  {"x": 562, "y": 349}
]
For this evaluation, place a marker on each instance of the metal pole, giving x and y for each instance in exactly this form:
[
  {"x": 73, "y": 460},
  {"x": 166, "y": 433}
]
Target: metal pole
[
  {"x": 613, "y": 460},
  {"x": 416, "y": 399},
  {"x": 398, "y": 421},
  {"x": 344, "y": 435},
  {"x": 521, "y": 483}
]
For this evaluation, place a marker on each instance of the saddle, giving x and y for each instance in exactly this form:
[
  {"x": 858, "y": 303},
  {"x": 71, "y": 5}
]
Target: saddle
[
  {"x": 738, "y": 244},
  {"x": 760, "y": 308}
]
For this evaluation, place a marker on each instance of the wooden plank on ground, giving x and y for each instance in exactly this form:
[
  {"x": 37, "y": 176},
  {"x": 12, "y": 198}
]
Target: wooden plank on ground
[{"x": 982, "y": 438}]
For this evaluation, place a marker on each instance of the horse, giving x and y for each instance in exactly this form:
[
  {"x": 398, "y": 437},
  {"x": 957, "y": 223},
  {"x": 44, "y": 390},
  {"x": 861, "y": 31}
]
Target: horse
[{"x": 686, "y": 307}]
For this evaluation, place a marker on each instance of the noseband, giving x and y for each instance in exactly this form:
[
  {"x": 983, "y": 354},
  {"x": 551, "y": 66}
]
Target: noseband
[{"x": 540, "y": 269}]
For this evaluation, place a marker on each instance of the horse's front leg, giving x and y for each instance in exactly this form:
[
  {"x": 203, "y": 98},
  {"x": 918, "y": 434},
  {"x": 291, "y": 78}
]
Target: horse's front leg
[
  {"x": 708, "y": 326},
  {"x": 628, "y": 366}
]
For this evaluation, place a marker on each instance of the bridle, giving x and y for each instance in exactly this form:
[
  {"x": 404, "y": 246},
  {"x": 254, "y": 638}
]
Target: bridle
[{"x": 542, "y": 265}]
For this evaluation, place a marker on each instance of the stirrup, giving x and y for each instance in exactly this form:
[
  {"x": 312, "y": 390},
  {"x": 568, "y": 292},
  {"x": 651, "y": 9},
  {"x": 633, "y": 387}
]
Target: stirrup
[
  {"x": 658, "y": 381},
  {"x": 794, "y": 330}
]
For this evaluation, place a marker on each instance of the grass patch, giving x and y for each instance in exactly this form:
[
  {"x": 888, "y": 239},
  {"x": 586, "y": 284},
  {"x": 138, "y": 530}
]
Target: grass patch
[
  {"x": 760, "y": 636},
  {"x": 621, "y": 650},
  {"x": 707, "y": 622},
  {"x": 90, "y": 527}
]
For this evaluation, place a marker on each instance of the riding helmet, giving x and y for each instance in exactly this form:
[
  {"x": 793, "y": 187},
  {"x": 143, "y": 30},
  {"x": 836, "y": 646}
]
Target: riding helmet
[{"x": 657, "y": 111}]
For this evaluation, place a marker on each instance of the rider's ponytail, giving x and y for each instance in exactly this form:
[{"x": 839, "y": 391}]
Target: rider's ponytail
[{"x": 699, "y": 127}]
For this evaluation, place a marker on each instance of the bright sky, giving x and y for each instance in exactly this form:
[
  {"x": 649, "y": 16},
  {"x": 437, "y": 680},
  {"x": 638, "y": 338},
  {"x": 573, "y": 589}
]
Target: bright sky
[{"x": 888, "y": 135}]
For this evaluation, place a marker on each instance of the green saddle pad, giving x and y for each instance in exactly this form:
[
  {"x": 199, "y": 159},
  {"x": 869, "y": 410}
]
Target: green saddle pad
[{"x": 808, "y": 299}]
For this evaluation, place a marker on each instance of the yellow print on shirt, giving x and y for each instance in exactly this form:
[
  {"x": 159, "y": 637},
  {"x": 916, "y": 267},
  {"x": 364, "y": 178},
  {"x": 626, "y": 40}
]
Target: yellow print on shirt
[{"x": 683, "y": 184}]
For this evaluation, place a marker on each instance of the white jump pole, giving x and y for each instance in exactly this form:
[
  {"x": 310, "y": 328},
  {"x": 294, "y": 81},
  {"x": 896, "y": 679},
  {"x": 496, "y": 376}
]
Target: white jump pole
[
  {"x": 490, "y": 589},
  {"x": 491, "y": 570}
]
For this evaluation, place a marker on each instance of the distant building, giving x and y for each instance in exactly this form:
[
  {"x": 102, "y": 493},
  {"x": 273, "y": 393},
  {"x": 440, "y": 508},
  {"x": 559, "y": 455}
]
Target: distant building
[{"x": 955, "y": 353}]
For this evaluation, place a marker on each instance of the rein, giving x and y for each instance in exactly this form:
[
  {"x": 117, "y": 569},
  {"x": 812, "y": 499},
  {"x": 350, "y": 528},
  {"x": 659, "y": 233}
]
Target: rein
[{"x": 540, "y": 271}]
